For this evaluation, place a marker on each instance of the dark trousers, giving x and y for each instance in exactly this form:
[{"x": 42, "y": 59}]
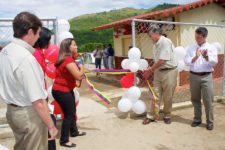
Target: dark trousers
[
  {"x": 98, "y": 62},
  {"x": 66, "y": 100},
  {"x": 51, "y": 143}
]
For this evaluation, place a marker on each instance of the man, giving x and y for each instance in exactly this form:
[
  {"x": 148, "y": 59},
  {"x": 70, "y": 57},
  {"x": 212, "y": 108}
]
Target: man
[
  {"x": 110, "y": 54},
  {"x": 165, "y": 72},
  {"x": 201, "y": 57},
  {"x": 105, "y": 57},
  {"x": 22, "y": 87}
]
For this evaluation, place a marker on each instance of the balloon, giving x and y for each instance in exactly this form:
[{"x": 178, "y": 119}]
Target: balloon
[
  {"x": 50, "y": 71},
  {"x": 63, "y": 25},
  {"x": 134, "y": 53},
  {"x": 186, "y": 68},
  {"x": 64, "y": 35},
  {"x": 134, "y": 92},
  {"x": 57, "y": 108},
  {"x": 180, "y": 65},
  {"x": 134, "y": 67},
  {"x": 218, "y": 46},
  {"x": 139, "y": 107},
  {"x": 143, "y": 64},
  {"x": 51, "y": 53},
  {"x": 77, "y": 96},
  {"x": 50, "y": 97},
  {"x": 180, "y": 53},
  {"x": 127, "y": 81},
  {"x": 125, "y": 64},
  {"x": 124, "y": 105}
]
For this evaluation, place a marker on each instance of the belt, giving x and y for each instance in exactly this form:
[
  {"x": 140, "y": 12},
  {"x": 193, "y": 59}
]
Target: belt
[
  {"x": 200, "y": 73},
  {"x": 164, "y": 69},
  {"x": 14, "y": 105}
]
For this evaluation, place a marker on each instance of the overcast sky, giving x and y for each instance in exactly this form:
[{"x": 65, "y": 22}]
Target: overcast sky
[{"x": 66, "y": 9}]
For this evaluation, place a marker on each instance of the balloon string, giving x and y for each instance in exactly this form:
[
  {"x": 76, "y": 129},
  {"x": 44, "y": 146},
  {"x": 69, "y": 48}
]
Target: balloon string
[{"x": 153, "y": 97}]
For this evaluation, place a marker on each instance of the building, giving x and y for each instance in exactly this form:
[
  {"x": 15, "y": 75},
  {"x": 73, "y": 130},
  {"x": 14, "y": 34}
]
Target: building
[{"x": 202, "y": 12}]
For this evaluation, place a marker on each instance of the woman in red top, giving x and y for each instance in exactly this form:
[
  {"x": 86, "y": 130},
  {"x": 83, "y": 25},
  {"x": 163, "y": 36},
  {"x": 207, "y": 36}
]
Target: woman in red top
[{"x": 67, "y": 72}]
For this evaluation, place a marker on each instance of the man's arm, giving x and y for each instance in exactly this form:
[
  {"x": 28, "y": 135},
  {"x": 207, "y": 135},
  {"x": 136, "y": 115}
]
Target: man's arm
[
  {"x": 41, "y": 108},
  {"x": 150, "y": 70}
]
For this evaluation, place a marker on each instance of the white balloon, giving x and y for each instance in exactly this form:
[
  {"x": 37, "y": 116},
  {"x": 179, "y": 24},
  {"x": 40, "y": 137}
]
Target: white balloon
[
  {"x": 63, "y": 25},
  {"x": 134, "y": 53},
  {"x": 124, "y": 105},
  {"x": 133, "y": 67},
  {"x": 181, "y": 65},
  {"x": 125, "y": 64},
  {"x": 64, "y": 35},
  {"x": 143, "y": 64},
  {"x": 139, "y": 107},
  {"x": 76, "y": 94},
  {"x": 180, "y": 53},
  {"x": 134, "y": 93},
  {"x": 50, "y": 97},
  {"x": 218, "y": 46}
]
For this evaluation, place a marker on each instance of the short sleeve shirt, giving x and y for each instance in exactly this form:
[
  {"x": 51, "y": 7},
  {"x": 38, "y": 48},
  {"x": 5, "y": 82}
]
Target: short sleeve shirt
[
  {"x": 64, "y": 80},
  {"x": 164, "y": 50},
  {"x": 21, "y": 77}
]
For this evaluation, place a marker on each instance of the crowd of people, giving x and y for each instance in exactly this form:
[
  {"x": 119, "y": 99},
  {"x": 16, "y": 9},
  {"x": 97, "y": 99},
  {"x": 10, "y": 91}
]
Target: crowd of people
[{"x": 23, "y": 67}]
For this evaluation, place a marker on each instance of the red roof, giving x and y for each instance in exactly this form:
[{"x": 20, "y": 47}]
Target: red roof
[{"x": 160, "y": 14}]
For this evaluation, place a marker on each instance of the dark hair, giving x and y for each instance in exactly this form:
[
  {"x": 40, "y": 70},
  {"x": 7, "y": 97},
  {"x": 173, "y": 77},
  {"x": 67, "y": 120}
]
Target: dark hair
[
  {"x": 202, "y": 30},
  {"x": 25, "y": 21},
  {"x": 155, "y": 29},
  {"x": 1, "y": 47},
  {"x": 44, "y": 39},
  {"x": 64, "y": 50},
  {"x": 110, "y": 45}
]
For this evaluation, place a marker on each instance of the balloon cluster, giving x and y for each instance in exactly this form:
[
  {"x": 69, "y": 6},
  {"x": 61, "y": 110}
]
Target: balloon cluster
[
  {"x": 131, "y": 101},
  {"x": 134, "y": 61},
  {"x": 63, "y": 30}
]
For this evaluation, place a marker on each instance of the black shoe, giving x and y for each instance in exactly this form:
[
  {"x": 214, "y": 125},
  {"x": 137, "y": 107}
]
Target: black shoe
[
  {"x": 78, "y": 134},
  {"x": 209, "y": 126},
  {"x": 167, "y": 120},
  {"x": 68, "y": 145},
  {"x": 196, "y": 123}
]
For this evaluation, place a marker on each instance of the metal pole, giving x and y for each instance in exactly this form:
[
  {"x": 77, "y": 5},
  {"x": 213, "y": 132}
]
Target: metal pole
[
  {"x": 134, "y": 45},
  {"x": 223, "y": 84},
  {"x": 133, "y": 34}
]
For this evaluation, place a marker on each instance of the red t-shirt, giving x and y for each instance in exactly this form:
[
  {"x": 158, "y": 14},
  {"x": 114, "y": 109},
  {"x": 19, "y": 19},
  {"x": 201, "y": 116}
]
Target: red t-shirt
[
  {"x": 64, "y": 81},
  {"x": 39, "y": 55}
]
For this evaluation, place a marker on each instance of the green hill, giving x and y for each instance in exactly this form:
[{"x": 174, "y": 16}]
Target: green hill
[{"x": 81, "y": 26}]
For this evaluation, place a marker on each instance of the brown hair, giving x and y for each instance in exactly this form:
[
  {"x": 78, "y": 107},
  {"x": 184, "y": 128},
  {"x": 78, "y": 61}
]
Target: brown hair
[
  {"x": 25, "y": 21},
  {"x": 64, "y": 51}
]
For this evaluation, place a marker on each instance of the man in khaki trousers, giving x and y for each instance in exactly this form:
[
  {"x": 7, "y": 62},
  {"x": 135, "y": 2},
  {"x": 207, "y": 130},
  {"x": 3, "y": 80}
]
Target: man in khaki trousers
[
  {"x": 22, "y": 87},
  {"x": 165, "y": 72}
]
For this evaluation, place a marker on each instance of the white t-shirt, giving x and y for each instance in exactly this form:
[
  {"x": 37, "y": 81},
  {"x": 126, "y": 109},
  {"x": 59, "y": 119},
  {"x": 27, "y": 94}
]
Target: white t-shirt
[{"x": 21, "y": 77}]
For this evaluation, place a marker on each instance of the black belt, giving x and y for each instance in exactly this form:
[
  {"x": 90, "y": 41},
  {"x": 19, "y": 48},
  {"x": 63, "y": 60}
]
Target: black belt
[
  {"x": 200, "y": 73},
  {"x": 164, "y": 69},
  {"x": 14, "y": 105}
]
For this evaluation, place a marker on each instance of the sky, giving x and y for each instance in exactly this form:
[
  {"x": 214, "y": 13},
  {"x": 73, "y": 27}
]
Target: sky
[{"x": 67, "y": 9}]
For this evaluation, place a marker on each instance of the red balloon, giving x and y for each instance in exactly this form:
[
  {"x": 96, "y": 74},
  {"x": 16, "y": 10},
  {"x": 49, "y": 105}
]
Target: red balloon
[
  {"x": 57, "y": 108},
  {"x": 52, "y": 53},
  {"x": 127, "y": 81},
  {"x": 50, "y": 71}
]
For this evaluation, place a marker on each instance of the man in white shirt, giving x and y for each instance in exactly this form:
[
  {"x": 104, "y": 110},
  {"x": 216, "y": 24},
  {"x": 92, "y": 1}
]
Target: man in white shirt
[
  {"x": 201, "y": 57},
  {"x": 165, "y": 72},
  {"x": 22, "y": 87}
]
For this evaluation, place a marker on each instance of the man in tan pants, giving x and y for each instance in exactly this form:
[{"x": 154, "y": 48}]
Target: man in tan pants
[
  {"x": 22, "y": 87},
  {"x": 165, "y": 72}
]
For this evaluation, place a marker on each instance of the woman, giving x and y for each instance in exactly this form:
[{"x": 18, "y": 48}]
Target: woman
[
  {"x": 67, "y": 72},
  {"x": 41, "y": 44}
]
